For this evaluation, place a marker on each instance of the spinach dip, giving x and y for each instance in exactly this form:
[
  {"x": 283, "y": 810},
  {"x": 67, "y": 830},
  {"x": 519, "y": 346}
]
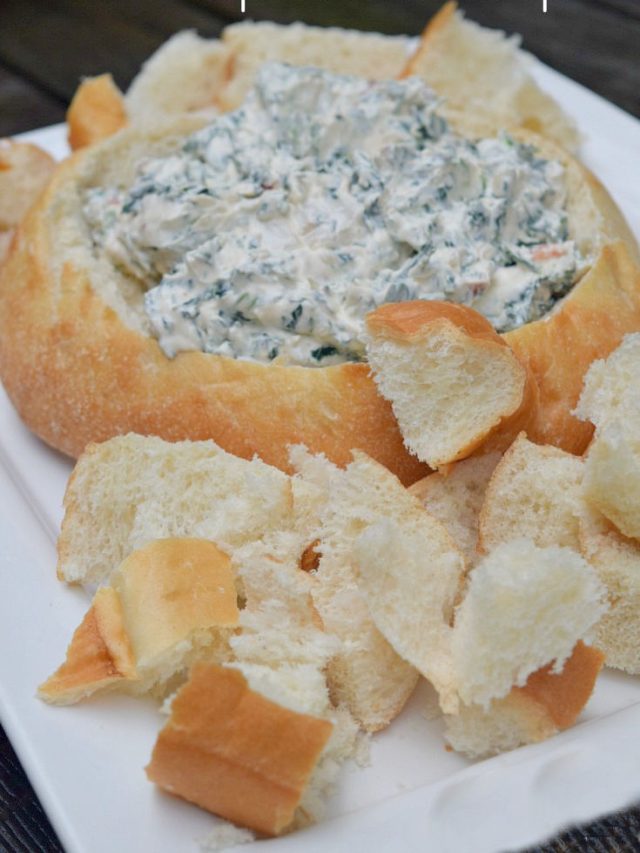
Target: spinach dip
[{"x": 272, "y": 232}]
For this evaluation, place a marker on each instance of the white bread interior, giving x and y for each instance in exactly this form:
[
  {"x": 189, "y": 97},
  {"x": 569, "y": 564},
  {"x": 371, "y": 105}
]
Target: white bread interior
[
  {"x": 525, "y": 607},
  {"x": 455, "y": 496},
  {"x": 611, "y": 385},
  {"x": 131, "y": 490},
  {"x": 535, "y": 492},
  {"x": 367, "y": 675},
  {"x": 617, "y": 562},
  {"x": 184, "y": 75},
  {"x": 485, "y": 78},
  {"x": 410, "y": 571},
  {"x": 452, "y": 381},
  {"x": 283, "y": 652},
  {"x": 611, "y": 400}
]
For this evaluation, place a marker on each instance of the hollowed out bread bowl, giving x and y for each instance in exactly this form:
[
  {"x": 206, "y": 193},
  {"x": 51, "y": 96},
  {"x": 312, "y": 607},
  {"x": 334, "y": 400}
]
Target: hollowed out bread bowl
[{"x": 79, "y": 365}]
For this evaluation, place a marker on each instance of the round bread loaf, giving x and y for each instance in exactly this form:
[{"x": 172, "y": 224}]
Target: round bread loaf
[{"x": 80, "y": 365}]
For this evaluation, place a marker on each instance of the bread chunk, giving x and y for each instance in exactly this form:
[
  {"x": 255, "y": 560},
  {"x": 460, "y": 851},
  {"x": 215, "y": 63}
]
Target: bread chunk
[
  {"x": 535, "y": 492},
  {"x": 366, "y": 675},
  {"x": 169, "y": 603},
  {"x": 617, "y": 562},
  {"x": 453, "y": 383},
  {"x": 455, "y": 496},
  {"x": 525, "y": 607},
  {"x": 610, "y": 400},
  {"x": 410, "y": 571},
  {"x": 485, "y": 78},
  {"x": 233, "y": 752},
  {"x": 132, "y": 489}
]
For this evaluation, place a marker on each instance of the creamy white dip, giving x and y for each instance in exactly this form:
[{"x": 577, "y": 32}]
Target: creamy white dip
[{"x": 276, "y": 229}]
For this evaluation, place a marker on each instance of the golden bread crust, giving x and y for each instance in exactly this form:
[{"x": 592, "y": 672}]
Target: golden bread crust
[
  {"x": 97, "y": 111},
  {"x": 563, "y": 695},
  {"x": 99, "y": 655},
  {"x": 558, "y": 349},
  {"x": 235, "y": 753}
]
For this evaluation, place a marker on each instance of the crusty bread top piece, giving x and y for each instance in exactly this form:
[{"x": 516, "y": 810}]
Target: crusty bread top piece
[
  {"x": 230, "y": 750},
  {"x": 455, "y": 496},
  {"x": 132, "y": 489},
  {"x": 453, "y": 382},
  {"x": 535, "y": 491},
  {"x": 610, "y": 399},
  {"x": 525, "y": 607},
  {"x": 97, "y": 111},
  {"x": 485, "y": 79},
  {"x": 168, "y": 603}
]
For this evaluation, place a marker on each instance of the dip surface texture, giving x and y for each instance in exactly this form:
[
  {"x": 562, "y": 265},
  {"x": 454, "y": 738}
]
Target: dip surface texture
[{"x": 277, "y": 228}]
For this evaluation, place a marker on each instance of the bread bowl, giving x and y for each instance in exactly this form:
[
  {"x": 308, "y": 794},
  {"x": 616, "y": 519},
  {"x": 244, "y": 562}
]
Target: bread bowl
[{"x": 78, "y": 360}]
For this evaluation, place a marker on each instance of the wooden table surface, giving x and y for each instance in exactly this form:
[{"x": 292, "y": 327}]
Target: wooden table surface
[{"x": 46, "y": 46}]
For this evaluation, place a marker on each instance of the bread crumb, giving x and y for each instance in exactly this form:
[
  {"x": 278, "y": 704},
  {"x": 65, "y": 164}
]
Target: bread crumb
[{"x": 225, "y": 836}]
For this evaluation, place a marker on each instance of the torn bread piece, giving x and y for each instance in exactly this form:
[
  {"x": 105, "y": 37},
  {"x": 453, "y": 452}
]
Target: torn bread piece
[
  {"x": 535, "y": 492},
  {"x": 25, "y": 170},
  {"x": 236, "y": 753},
  {"x": 548, "y": 702},
  {"x": 409, "y": 571},
  {"x": 453, "y": 382},
  {"x": 612, "y": 472},
  {"x": 455, "y": 496},
  {"x": 486, "y": 79},
  {"x": 610, "y": 399},
  {"x": 133, "y": 489},
  {"x": 366, "y": 675},
  {"x": 525, "y": 607},
  {"x": 612, "y": 384},
  {"x": 184, "y": 75},
  {"x": 169, "y": 603},
  {"x": 283, "y": 651},
  {"x": 97, "y": 111},
  {"x": 616, "y": 559}
]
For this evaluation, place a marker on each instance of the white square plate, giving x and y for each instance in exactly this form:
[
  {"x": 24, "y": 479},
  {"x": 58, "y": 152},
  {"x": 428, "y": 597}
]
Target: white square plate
[{"x": 86, "y": 762}]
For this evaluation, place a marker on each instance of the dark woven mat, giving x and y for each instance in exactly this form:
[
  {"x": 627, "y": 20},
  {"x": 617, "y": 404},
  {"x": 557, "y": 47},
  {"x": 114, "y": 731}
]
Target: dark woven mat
[{"x": 24, "y": 827}]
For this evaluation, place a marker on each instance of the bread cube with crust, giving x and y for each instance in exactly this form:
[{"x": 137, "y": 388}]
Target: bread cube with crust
[
  {"x": 453, "y": 382},
  {"x": 169, "y": 603},
  {"x": 236, "y": 753}
]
